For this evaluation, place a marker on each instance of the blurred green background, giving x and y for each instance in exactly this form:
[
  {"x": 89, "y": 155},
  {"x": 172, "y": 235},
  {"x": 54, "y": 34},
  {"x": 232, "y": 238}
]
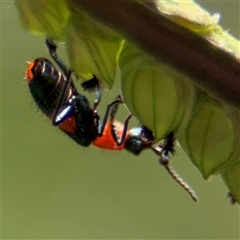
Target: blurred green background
[{"x": 52, "y": 188}]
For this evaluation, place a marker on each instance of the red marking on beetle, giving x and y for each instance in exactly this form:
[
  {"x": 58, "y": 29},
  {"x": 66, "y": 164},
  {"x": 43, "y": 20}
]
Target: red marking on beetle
[
  {"x": 29, "y": 74},
  {"x": 106, "y": 141},
  {"x": 69, "y": 125}
]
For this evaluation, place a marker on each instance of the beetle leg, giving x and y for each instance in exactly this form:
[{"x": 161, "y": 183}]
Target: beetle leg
[{"x": 52, "y": 47}]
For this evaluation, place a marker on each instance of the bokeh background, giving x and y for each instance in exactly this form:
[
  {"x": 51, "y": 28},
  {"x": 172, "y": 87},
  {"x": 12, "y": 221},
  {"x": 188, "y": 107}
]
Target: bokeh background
[{"x": 54, "y": 189}]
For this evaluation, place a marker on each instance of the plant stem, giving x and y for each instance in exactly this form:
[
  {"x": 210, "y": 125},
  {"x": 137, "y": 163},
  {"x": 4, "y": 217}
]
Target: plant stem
[{"x": 211, "y": 68}]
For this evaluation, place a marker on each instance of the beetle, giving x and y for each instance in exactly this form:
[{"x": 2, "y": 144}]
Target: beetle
[{"x": 56, "y": 95}]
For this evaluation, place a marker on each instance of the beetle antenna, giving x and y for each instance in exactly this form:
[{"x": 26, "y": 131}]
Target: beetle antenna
[
  {"x": 166, "y": 148},
  {"x": 180, "y": 181}
]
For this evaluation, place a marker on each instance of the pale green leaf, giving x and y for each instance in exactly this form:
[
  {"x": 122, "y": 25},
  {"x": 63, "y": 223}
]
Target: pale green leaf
[
  {"x": 211, "y": 138},
  {"x": 161, "y": 97},
  {"x": 47, "y": 18},
  {"x": 98, "y": 50},
  {"x": 232, "y": 180}
]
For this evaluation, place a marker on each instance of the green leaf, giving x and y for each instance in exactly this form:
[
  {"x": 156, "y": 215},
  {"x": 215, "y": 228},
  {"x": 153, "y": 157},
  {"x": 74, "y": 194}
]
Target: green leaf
[
  {"x": 232, "y": 180},
  {"x": 211, "y": 138},
  {"x": 190, "y": 15},
  {"x": 44, "y": 17},
  {"x": 161, "y": 97},
  {"x": 98, "y": 50}
]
